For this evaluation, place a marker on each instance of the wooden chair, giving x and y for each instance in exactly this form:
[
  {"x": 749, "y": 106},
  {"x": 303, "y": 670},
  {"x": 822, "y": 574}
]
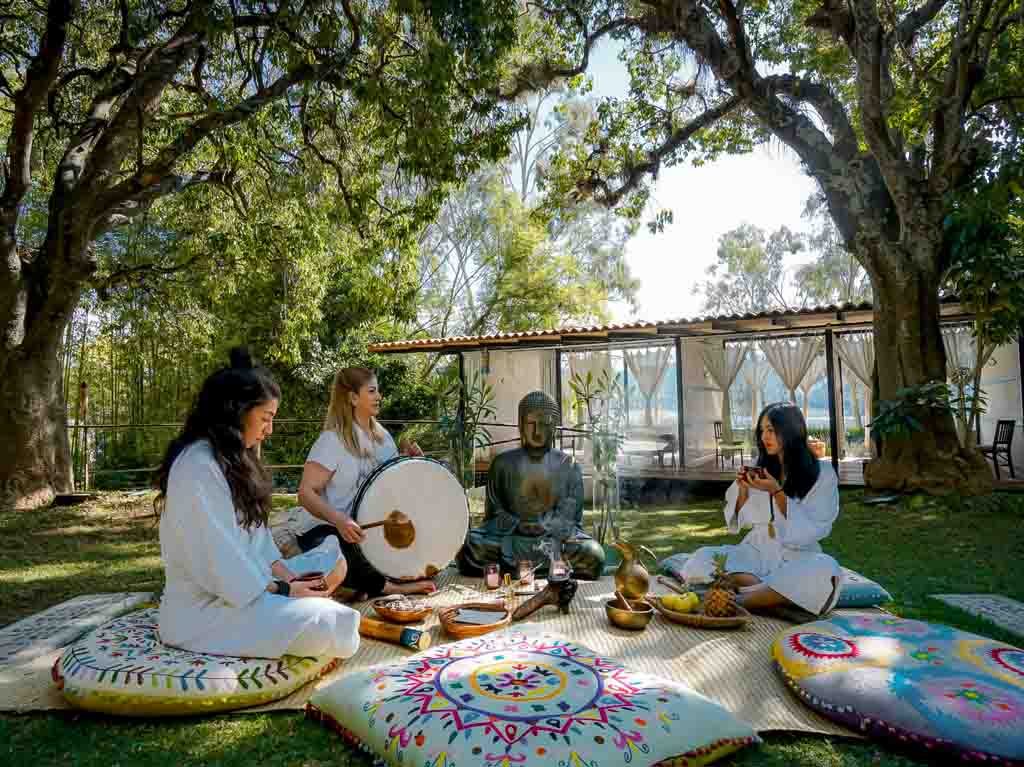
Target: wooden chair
[
  {"x": 1001, "y": 444},
  {"x": 726, "y": 449},
  {"x": 669, "y": 447}
]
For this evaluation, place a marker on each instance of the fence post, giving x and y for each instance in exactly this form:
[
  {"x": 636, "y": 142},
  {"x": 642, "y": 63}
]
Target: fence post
[{"x": 83, "y": 412}]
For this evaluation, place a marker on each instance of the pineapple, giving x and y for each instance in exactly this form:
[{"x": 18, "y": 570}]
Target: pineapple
[{"x": 720, "y": 600}]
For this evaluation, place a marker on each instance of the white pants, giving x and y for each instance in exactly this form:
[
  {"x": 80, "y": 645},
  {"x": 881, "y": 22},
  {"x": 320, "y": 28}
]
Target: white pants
[
  {"x": 273, "y": 625},
  {"x": 806, "y": 581}
]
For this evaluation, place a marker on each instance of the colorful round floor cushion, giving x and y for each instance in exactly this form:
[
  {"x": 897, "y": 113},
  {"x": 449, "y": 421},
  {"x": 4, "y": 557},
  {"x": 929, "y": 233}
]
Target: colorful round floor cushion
[
  {"x": 121, "y": 668},
  {"x": 524, "y": 697},
  {"x": 944, "y": 691}
]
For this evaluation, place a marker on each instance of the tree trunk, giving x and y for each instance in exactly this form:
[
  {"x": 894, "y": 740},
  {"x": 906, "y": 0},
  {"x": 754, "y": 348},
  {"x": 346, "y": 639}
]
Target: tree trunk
[
  {"x": 35, "y": 459},
  {"x": 909, "y": 352}
]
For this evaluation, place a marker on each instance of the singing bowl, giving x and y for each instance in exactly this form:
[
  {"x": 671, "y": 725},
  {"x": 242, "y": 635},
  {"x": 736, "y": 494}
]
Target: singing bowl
[{"x": 635, "y": 620}]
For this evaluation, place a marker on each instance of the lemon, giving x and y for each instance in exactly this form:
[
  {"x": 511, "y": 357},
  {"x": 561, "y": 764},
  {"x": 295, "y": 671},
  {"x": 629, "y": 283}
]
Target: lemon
[{"x": 681, "y": 603}]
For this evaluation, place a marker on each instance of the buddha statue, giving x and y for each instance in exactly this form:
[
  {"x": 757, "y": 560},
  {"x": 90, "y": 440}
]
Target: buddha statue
[{"x": 533, "y": 492}]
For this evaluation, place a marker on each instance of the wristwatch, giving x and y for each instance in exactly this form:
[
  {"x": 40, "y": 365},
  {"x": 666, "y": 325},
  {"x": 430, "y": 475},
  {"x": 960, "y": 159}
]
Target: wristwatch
[{"x": 283, "y": 588}]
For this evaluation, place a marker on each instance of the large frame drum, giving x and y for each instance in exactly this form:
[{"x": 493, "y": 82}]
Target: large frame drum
[{"x": 432, "y": 498}]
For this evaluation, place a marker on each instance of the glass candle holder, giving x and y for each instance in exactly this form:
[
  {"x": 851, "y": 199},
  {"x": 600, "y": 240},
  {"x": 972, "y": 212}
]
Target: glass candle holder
[
  {"x": 492, "y": 576},
  {"x": 559, "y": 570},
  {"x": 525, "y": 572}
]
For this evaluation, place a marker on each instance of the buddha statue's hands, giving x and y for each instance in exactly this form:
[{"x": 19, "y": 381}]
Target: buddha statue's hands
[{"x": 505, "y": 522}]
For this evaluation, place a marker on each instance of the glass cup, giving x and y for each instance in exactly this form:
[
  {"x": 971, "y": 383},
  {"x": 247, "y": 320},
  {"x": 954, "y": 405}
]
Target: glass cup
[
  {"x": 492, "y": 576},
  {"x": 525, "y": 572}
]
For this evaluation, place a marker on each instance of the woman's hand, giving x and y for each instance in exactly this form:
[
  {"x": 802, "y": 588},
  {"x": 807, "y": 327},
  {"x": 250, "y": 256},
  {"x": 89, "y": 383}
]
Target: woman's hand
[
  {"x": 411, "y": 449},
  {"x": 764, "y": 481},
  {"x": 743, "y": 484},
  {"x": 350, "y": 530},
  {"x": 299, "y": 589}
]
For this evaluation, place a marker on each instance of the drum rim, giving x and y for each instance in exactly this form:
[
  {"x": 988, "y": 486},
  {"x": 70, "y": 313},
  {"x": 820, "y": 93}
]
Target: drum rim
[{"x": 388, "y": 464}]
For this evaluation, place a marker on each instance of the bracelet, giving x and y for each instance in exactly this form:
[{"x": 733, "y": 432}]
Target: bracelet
[{"x": 283, "y": 588}]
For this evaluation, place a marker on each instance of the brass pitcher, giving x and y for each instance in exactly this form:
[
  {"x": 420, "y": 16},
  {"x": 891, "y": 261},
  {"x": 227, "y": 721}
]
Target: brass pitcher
[{"x": 632, "y": 578}]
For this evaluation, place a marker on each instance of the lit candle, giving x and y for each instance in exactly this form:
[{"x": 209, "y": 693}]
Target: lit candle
[{"x": 492, "y": 576}]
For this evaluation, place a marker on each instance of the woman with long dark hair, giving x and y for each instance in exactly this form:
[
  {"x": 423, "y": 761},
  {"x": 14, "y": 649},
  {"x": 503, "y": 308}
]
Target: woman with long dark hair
[
  {"x": 229, "y": 591},
  {"x": 790, "y": 499}
]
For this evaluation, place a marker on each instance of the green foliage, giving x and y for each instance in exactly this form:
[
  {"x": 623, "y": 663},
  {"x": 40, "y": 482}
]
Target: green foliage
[
  {"x": 835, "y": 276},
  {"x": 900, "y": 418},
  {"x": 750, "y": 273},
  {"x": 984, "y": 236},
  {"x": 464, "y": 427}
]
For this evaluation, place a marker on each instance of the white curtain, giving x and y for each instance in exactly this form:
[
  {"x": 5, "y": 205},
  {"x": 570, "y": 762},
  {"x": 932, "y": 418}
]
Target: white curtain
[
  {"x": 857, "y": 353},
  {"x": 547, "y": 372},
  {"x": 962, "y": 349},
  {"x": 817, "y": 370},
  {"x": 755, "y": 375},
  {"x": 792, "y": 358},
  {"x": 648, "y": 369},
  {"x": 961, "y": 356},
  {"x": 723, "y": 363},
  {"x": 581, "y": 363}
]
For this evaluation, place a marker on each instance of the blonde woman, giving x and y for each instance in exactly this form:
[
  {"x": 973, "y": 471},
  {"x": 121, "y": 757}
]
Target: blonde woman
[{"x": 348, "y": 450}]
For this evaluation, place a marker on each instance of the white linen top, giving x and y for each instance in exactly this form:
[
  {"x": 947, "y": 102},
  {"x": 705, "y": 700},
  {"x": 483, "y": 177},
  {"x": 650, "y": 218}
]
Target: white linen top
[
  {"x": 808, "y": 520},
  {"x": 211, "y": 562},
  {"x": 350, "y": 471}
]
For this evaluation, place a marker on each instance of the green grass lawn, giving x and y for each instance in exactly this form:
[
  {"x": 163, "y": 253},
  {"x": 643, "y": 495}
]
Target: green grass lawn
[{"x": 111, "y": 545}]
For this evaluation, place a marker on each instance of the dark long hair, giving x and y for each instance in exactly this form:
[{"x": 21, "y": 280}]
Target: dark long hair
[
  {"x": 802, "y": 468},
  {"x": 217, "y": 416}
]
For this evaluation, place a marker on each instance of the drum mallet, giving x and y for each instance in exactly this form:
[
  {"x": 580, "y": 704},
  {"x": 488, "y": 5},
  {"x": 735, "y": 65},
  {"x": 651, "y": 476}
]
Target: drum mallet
[{"x": 414, "y": 639}]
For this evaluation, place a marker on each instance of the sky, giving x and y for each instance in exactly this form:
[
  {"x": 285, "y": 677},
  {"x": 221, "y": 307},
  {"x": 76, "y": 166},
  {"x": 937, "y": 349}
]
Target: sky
[{"x": 766, "y": 188}]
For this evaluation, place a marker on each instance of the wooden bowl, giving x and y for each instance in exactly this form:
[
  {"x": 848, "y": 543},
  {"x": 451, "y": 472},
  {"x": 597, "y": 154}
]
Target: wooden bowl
[
  {"x": 502, "y": 617},
  {"x": 380, "y": 606},
  {"x": 699, "y": 620},
  {"x": 635, "y": 620}
]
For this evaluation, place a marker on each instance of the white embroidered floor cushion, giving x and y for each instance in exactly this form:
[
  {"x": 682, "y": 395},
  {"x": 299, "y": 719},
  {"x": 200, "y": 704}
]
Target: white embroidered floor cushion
[
  {"x": 121, "y": 668},
  {"x": 954, "y": 695},
  {"x": 524, "y": 698}
]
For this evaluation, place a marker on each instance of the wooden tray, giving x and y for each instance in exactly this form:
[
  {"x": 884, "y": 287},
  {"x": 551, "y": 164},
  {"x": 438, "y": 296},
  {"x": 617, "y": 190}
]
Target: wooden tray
[
  {"x": 502, "y": 617},
  {"x": 380, "y": 606},
  {"x": 700, "y": 620}
]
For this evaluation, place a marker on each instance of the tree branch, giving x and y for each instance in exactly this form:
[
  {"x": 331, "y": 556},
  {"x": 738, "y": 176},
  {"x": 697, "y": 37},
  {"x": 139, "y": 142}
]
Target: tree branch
[
  {"x": 599, "y": 189},
  {"x": 127, "y": 209},
  {"x": 153, "y": 174},
  {"x": 129, "y": 274},
  {"x": 912, "y": 23},
  {"x": 41, "y": 75},
  {"x": 153, "y": 72},
  {"x": 825, "y": 103},
  {"x": 539, "y": 76},
  {"x": 17, "y": 168}
]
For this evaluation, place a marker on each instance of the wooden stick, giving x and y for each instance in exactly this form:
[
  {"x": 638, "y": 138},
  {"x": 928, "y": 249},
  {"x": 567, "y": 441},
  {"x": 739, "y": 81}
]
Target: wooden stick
[
  {"x": 666, "y": 582},
  {"x": 414, "y": 639}
]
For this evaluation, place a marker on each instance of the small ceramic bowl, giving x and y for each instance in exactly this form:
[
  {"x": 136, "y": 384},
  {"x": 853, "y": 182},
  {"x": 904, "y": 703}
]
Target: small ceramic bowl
[
  {"x": 635, "y": 620},
  {"x": 381, "y": 606}
]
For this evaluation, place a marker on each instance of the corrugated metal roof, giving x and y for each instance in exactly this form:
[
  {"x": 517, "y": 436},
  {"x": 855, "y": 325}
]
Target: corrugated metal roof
[{"x": 779, "y": 321}]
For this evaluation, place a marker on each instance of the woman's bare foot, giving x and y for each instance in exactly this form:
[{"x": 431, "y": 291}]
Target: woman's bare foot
[{"x": 425, "y": 586}]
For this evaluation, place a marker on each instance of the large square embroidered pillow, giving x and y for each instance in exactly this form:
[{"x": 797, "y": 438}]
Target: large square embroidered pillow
[
  {"x": 122, "y": 668},
  {"x": 521, "y": 698}
]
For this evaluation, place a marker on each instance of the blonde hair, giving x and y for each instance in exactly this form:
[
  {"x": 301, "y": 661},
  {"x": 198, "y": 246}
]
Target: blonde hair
[{"x": 341, "y": 413}]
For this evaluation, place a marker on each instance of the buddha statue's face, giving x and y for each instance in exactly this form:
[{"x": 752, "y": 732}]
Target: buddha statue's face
[{"x": 537, "y": 430}]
